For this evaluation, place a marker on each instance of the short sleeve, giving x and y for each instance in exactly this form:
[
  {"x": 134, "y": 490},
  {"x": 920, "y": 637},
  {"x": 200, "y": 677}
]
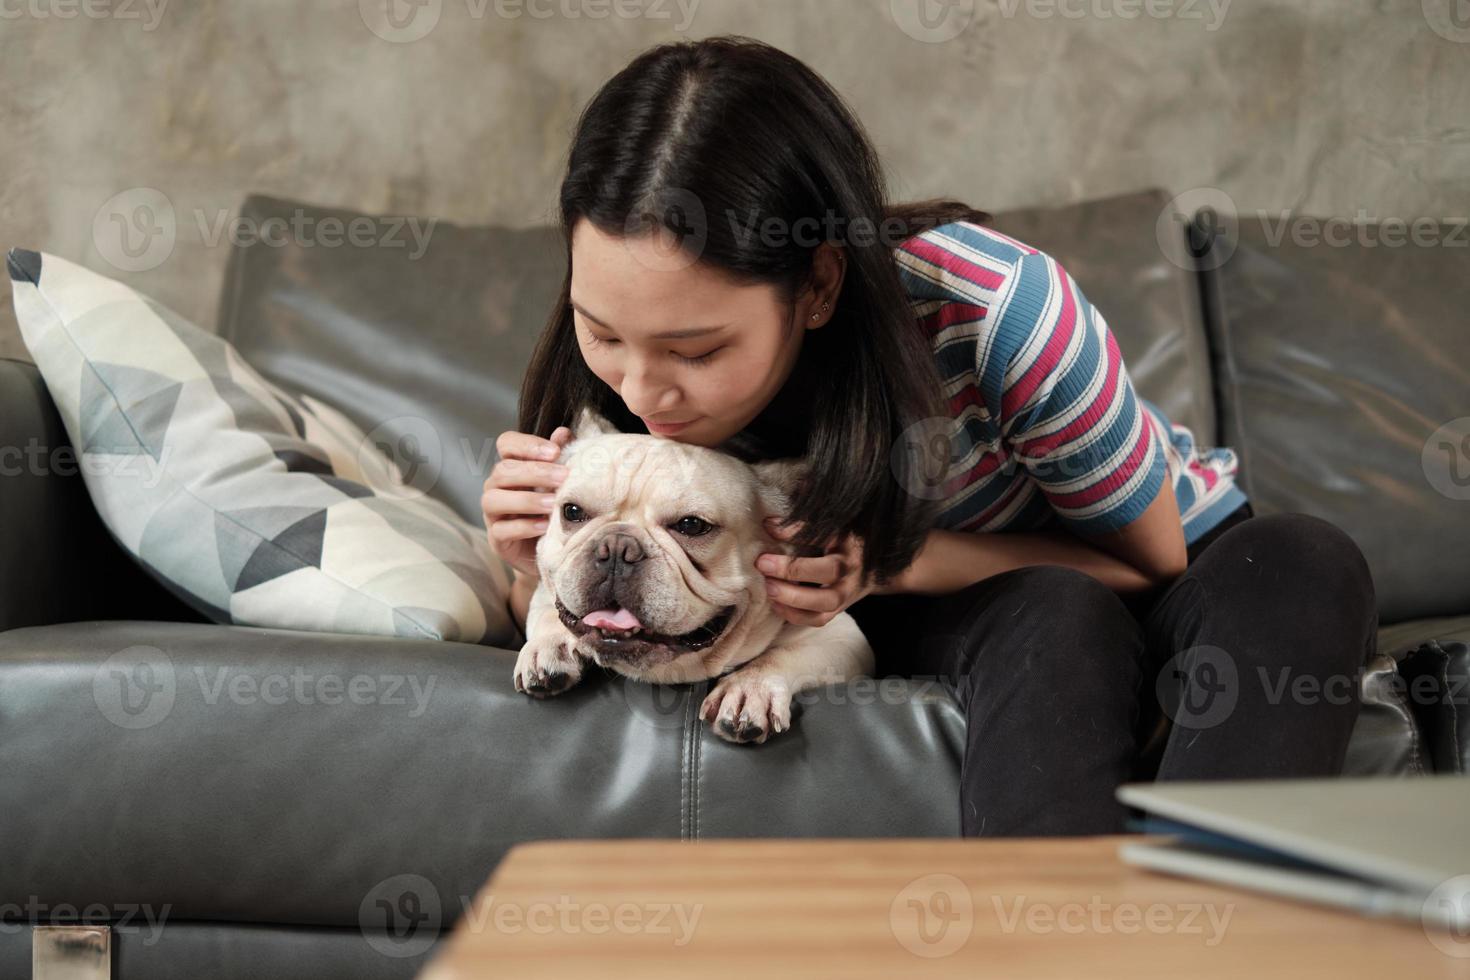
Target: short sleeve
[{"x": 1069, "y": 413}]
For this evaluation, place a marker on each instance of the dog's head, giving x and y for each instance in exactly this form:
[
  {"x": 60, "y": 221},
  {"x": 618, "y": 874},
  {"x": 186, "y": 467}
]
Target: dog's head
[{"x": 650, "y": 552}]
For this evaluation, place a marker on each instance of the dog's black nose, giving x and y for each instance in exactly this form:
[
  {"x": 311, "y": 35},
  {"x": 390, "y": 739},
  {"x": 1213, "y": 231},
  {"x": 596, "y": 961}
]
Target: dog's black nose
[{"x": 618, "y": 552}]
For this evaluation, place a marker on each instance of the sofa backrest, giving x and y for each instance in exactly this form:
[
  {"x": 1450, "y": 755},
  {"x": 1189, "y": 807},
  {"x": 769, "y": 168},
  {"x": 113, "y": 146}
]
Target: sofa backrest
[
  {"x": 1344, "y": 386},
  {"x": 442, "y": 331}
]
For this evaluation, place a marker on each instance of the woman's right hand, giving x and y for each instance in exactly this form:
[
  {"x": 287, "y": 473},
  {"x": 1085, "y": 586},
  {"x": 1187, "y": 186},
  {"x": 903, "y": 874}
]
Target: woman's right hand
[{"x": 517, "y": 498}]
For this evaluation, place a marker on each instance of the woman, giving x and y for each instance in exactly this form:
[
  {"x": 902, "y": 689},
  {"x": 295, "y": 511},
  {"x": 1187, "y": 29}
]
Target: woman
[{"x": 989, "y": 497}]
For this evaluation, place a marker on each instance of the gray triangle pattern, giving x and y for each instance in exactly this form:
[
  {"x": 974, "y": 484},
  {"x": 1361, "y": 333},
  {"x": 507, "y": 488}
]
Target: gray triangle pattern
[
  {"x": 147, "y": 397},
  {"x": 298, "y": 546},
  {"x": 105, "y": 429},
  {"x": 239, "y": 533}
]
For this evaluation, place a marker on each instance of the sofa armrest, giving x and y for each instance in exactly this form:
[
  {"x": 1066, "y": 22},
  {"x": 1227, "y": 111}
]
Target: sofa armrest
[
  {"x": 58, "y": 561},
  {"x": 1435, "y": 674},
  {"x": 269, "y": 775}
]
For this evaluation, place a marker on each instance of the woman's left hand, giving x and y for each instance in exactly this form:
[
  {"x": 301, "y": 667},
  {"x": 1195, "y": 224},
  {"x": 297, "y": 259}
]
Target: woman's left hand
[{"x": 836, "y": 578}]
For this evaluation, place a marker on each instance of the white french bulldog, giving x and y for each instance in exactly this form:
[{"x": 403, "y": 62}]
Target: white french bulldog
[{"x": 648, "y": 569}]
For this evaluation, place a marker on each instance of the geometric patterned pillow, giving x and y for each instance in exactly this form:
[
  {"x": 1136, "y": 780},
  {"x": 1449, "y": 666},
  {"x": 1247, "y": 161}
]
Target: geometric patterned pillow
[{"x": 256, "y": 507}]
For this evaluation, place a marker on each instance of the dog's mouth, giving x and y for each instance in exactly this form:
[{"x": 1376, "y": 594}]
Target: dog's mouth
[{"x": 618, "y": 629}]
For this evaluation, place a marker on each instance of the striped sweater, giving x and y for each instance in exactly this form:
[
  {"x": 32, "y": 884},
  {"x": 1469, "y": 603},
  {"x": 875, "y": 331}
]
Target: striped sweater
[{"x": 1045, "y": 426}]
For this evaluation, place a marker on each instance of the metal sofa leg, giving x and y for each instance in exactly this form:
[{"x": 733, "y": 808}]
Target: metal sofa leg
[{"x": 71, "y": 953}]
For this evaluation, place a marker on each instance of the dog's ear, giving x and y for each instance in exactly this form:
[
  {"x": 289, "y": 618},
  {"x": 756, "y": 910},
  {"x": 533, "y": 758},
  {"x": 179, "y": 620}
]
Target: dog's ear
[
  {"x": 777, "y": 481},
  {"x": 590, "y": 423}
]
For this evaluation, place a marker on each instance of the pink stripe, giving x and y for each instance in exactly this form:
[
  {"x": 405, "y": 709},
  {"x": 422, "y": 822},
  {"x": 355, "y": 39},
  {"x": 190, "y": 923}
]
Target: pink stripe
[
  {"x": 1204, "y": 472},
  {"x": 1088, "y": 416},
  {"x": 1111, "y": 482},
  {"x": 998, "y": 236},
  {"x": 952, "y": 312},
  {"x": 1008, "y": 493},
  {"x": 1019, "y": 393},
  {"x": 950, "y": 262}
]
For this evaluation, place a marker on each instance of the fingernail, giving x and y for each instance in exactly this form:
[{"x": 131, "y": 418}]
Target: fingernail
[
  {"x": 766, "y": 563},
  {"x": 549, "y": 452},
  {"x": 771, "y": 588},
  {"x": 548, "y": 500}
]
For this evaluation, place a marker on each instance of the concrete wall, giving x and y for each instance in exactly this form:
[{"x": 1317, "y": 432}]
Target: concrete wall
[{"x": 1328, "y": 107}]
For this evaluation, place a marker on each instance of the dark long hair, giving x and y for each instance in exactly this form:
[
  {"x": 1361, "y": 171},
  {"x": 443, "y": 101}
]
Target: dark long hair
[{"x": 731, "y": 126}]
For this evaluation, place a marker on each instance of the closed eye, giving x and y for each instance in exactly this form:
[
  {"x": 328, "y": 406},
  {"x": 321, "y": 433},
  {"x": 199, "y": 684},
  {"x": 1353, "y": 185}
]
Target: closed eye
[{"x": 594, "y": 342}]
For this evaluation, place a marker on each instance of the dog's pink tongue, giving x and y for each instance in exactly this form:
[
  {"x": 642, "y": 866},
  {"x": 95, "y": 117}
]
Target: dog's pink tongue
[{"x": 613, "y": 619}]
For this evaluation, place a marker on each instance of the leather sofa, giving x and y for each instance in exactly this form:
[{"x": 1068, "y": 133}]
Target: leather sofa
[{"x": 270, "y": 834}]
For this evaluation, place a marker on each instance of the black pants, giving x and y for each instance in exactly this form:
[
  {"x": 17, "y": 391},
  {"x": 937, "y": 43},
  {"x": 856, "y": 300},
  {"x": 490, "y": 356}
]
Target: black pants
[{"x": 1245, "y": 666}]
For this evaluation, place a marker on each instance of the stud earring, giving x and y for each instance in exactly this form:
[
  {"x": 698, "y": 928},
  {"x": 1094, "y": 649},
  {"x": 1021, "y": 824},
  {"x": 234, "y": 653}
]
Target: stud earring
[{"x": 824, "y": 309}]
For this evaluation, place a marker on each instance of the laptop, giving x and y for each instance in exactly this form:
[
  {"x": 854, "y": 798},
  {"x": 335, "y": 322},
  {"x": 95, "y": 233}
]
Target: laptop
[{"x": 1382, "y": 846}]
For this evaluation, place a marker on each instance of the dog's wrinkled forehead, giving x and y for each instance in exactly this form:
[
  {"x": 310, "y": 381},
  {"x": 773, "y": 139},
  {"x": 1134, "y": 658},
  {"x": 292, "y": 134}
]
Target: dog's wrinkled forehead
[
  {"x": 626, "y": 467},
  {"x": 618, "y": 467}
]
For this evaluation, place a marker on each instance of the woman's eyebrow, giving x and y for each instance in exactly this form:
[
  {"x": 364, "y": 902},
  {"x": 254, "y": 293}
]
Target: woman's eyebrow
[{"x": 665, "y": 335}]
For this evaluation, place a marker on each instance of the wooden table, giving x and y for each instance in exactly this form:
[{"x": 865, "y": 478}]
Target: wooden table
[{"x": 773, "y": 909}]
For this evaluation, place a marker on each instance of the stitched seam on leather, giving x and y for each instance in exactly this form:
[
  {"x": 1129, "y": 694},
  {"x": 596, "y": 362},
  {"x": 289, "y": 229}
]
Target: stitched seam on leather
[
  {"x": 1416, "y": 748},
  {"x": 1459, "y": 763},
  {"x": 684, "y": 781},
  {"x": 1231, "y": 379},
  {"x": 698, "y": 757}
]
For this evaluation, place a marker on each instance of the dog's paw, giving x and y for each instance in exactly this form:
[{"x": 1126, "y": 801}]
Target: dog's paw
[
  {"x": 547, "y": 666},
  {"x": 748, "y": 706}
]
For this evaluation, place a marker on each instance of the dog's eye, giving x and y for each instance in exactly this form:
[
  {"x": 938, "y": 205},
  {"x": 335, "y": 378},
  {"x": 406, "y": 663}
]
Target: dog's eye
[
  {"x": 572, "y": 513},
  {"x": 692, "y": 527}
]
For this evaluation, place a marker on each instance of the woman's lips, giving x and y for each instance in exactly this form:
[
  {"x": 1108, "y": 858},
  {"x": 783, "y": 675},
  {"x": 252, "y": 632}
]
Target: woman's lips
[{"x": 663, "y": 429}]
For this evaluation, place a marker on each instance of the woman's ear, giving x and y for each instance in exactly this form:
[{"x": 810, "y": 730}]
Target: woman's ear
[{"x": 590, "y": 423}]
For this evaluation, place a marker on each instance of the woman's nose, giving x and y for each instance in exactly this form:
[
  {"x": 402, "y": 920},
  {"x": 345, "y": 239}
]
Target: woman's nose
[{"x": 643, "y": 392}]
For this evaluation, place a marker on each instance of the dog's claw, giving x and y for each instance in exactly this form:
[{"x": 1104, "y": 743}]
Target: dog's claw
[
  {"x": 546, "y": 668},
  {"x": 745, "y": 708},
  {"x": 546, "y": 682}
]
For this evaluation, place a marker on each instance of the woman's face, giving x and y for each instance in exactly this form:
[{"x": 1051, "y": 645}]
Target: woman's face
[{"x": 676, "y": 339}]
